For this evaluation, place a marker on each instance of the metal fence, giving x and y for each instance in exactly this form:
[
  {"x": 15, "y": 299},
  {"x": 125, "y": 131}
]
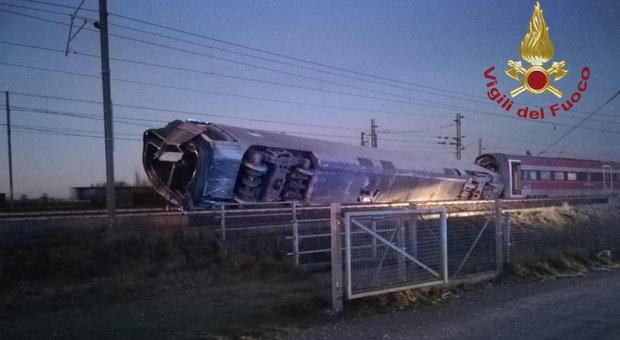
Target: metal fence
[
  {"x": 472, "y": 247},
  {"x": 394, "y": 250},
  {"x": 549, "y": 232},
  {"x": 380, "y": 254},
  {"x": 381, "y": 250}
]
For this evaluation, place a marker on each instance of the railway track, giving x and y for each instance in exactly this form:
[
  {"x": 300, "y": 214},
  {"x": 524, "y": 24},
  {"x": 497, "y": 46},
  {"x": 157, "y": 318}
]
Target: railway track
[{"x": 307, "y": 211}]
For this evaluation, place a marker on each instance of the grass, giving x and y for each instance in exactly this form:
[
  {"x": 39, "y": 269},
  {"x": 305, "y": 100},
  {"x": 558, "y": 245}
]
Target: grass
[
  {"x": 567, "y": 263},
  {"x": 159, "y": 284}
]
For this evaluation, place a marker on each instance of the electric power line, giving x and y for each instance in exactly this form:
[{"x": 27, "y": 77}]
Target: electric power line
[
  {"x": 270, "y": 60},
  {"x": 445, "y": 106},
  {"x": 578, "y": 125}
]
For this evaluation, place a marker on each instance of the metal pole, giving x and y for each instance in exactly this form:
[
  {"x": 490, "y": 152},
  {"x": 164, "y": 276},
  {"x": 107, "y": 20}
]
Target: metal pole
[
  {"x": 107, "y": 111},
  {"x": 458, "y": 136},
  {"x": 499, "y": 255},
  {"x": 400, "y": 239},
  {"x": 223, "y": 227},
  {"x": 413, "y": 240},
  {"x": 336, "y": 240},
  {"x": 508, "y": 236},
  {"x": 374, "y": 240},
  {"x": 223, "y": 221},
  {"x": 8, "y": 134},
  {"x": 479, "y": 146},
  {"x": 373, "y": 134},
  {"x": 443, "y": 216},
  {"x": 295, "y": 233}
]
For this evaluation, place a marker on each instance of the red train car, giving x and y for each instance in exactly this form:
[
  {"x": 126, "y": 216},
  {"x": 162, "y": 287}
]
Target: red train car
[{"x": 530, "y": 176}]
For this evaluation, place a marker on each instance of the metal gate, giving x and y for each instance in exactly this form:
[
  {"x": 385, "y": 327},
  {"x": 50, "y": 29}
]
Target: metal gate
[{"x": 387, "y": 251}]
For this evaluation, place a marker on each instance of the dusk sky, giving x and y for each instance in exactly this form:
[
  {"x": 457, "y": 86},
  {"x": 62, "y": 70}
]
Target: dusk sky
[{"x": 319, "y": 69}]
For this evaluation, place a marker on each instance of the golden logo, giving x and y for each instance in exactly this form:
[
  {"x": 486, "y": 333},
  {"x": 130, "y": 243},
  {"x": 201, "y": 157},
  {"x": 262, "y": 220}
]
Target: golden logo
[{"x": 536, "y": 49}]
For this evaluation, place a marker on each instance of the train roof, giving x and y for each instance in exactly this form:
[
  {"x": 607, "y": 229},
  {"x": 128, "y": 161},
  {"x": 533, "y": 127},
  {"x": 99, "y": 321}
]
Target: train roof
[{"x": 559, "y": 161}]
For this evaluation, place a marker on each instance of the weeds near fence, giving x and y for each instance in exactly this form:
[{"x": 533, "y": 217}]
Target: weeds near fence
[{"x": 569, "y": 263}]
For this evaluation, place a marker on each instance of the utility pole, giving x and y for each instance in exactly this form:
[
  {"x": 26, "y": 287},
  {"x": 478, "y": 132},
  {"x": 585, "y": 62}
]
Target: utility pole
[
  {"x": 373, "y": 134},
  {"x": 479, "y": 146},
  {"x": 459, "y": 144},
  {"x": 107, "y": 111},
  {"x": 458, "y": 140},
  {"x": 8, "y": 134}
]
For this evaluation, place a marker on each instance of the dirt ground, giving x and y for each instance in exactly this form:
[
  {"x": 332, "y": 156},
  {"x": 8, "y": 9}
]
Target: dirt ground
[{"x": 579, "y": 307}]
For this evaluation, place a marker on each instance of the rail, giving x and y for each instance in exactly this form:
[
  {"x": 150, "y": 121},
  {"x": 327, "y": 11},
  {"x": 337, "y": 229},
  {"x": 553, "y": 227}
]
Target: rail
[{"x": 263, "y": 207}]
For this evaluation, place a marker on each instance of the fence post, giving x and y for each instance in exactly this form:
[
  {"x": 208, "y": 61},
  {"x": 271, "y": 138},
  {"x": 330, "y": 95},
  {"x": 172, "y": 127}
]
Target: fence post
[
  {"x": 413, "y": 239},
  {"x": 499, "y": 253},
  {"x": 223, "y": 221},
  {"x": 508, "y": 236},
  {"x": 336, "y": 240},
  {"x": 400, "y": 237},
  {"x": 295, "y": 233},
  {"x": 443, "y": 216},
  {"x": 374, "y": 240}
]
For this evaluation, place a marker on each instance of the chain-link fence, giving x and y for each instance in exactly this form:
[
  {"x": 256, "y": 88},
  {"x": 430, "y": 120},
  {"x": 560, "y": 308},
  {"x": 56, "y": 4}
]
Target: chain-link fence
[
  {"x": 385, "y": 252},
  {"x": 394, "y": 250},
  {"x": 548, "y": 232},
  {"x": 472, "y": 245}
]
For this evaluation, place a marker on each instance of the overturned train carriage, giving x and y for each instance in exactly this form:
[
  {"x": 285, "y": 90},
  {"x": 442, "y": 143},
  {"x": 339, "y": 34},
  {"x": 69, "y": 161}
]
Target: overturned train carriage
[{"x": 201, "y": 164}]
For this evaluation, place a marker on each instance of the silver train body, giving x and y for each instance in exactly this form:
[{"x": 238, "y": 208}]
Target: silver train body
[{"x": 201, "y": 164}]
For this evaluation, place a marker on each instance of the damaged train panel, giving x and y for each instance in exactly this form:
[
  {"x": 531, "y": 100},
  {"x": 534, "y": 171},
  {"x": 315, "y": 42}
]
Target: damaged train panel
[{"x": 200, "y": 164}]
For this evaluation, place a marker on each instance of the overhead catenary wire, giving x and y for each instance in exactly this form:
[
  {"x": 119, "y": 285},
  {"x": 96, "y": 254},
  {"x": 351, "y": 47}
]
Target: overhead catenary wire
[
  {"x": 580, "y": 123},
  {"x": 253, "y": 65},
  {"x": 181, "y": 88},
  {"x": 269, "y": 100},
  {"x": 443, "y": 106},
  {"x": 455, "y": 108},
  {"x": 131, "y": 121},
  {"x": 124, "y": 120},
  {"x": 65, "y": 132},
  {"x": 443, "y": 94},
  {"x": 42, "y": 2},
  {"x": 425, "y": 103},
  {"x": 190, "y": 113}
]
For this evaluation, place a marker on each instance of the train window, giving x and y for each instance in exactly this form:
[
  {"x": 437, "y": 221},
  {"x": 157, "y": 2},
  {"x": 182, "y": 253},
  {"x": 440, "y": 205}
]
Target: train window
[
  {"x": 571, "y": 176},
  {"x": 597, "y": 176},
  {"x": 516, "y": 177},
  {"x": 533, "y": 175},
  {"x": 545, "y": 175},
  {"x": 582, "y": 176},
  {"x": 365, "y": 162},
  {"x": 558, "y": 176},
  {"x": 387, "y": 165}
]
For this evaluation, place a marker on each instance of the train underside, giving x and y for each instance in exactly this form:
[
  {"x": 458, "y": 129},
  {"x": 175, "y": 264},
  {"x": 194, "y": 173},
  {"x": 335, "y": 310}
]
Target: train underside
[{"x": 199, "y": 164}]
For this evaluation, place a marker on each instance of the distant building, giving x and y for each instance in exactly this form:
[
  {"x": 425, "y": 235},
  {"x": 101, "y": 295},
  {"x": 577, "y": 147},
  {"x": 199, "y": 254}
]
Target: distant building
[{"x": 126, "y": 196}]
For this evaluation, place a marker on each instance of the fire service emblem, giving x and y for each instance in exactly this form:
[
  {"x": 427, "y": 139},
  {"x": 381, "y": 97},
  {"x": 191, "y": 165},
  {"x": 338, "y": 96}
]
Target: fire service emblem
[{"x": 536, "y": 49}]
